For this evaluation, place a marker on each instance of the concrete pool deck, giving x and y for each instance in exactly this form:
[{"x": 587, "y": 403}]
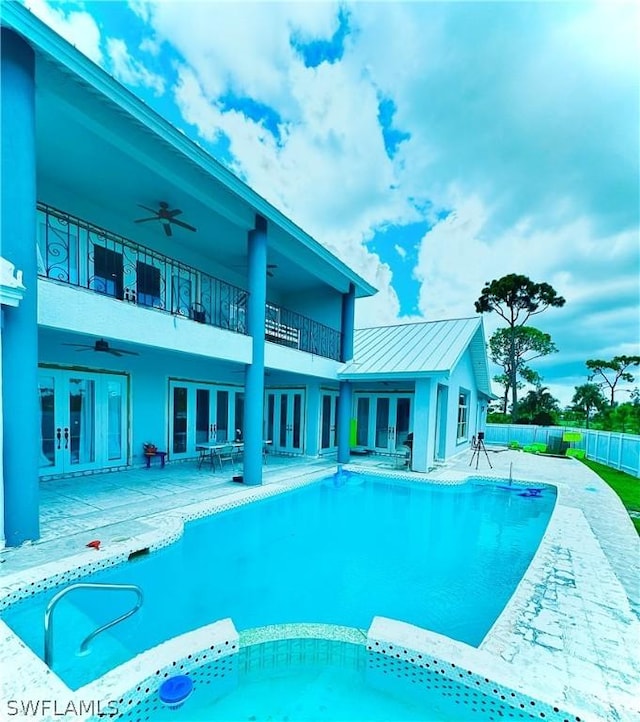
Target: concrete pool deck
[{"x": 570, "y": 633}]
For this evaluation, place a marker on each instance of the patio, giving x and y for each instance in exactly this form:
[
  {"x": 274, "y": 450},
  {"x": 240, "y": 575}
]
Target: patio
[{"x": 76, "y": 510}]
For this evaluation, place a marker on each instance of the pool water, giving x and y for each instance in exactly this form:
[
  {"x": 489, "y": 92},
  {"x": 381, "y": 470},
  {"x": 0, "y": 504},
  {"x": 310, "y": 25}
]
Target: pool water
[
  {"x": 326, "y": 693},
  {"x": 284, "y": 681},
  {"x": 446, "y": 558}
]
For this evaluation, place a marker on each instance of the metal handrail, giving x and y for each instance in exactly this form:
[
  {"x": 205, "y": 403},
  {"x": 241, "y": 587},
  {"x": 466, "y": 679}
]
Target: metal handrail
[{"x": 48, "y": 614}]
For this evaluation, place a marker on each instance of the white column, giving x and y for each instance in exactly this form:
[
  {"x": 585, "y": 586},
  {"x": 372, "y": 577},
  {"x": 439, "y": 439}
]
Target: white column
[
  {"x": 313, "y": 419},
  {"x": 424, "y": 424},
  {"x": 2, "y": 537},
  {"x": 11, "y": 293}
]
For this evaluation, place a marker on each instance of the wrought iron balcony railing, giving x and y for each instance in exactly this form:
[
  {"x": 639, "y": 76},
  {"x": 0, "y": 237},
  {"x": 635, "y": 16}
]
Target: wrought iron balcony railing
[
  {"x": 289, "y": 328},
  {"x": 74, "y": 251}
]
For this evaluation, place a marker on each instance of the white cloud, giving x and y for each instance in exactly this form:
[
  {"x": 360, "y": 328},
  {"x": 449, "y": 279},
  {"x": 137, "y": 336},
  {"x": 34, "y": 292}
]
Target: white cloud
[
  {"x": 141, "y": 8},
  {"x": 76, "y": 26},
  {"x": 243, "y": 48},
  {"x": 128, "y": 70},
  {"x": 151, "y": 46}
]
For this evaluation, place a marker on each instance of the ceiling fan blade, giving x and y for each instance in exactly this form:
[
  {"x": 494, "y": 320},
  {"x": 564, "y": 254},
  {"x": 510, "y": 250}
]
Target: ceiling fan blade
[
  {"x": 87, "y": 348},
  {"x": 77, "y": 345},
  {"x": 151, "y": 210},
  {"x": 113, "y": 352},
  {"x": 122, "y": 352},
  {"x": 172, "y": 214},
  {"x": 183, "y": 224},
  {"x": 167, "y": 229},
  {"x": 144, "y": 220}
]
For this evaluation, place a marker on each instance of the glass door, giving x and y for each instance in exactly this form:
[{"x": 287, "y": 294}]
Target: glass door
[
  {"x": 200, "y": 414},
  {"x": 383, "y": 431},
  {"x": 383, "y": 420},
  {"x": 363, "y": 405},
  {"x": 50, "y": 425},
  {"x": 328, "y": 421},
  {"x": 82, "y": 421},
  {"x": 402, "y": 419},
  {"x": 284, "y": 422}
]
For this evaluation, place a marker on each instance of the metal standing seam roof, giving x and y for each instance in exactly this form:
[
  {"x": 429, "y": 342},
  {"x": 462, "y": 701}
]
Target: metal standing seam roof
[{"x": 417, "y": 349}]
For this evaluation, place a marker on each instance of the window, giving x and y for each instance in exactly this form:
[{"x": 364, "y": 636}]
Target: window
[
  {"x": 107, "y": 272},
  {"x": 463, "y": 416},
  {"x": 148, "y": 284}
]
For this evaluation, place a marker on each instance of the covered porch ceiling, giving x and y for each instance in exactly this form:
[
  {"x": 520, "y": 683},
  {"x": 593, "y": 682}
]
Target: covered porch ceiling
[{"x": 99, "y": 160}]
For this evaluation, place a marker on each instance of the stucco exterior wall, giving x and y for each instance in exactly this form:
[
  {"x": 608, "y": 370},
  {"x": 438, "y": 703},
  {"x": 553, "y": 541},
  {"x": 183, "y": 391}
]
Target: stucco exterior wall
[{"x": 461, "y": 379}]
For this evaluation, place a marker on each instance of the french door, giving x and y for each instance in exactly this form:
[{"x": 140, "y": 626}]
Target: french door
[
  {"x": 328, "y": 421},
  {"x": 284, "y": 423},
  {"x": 201, "y": 414},
  {"x": 83, "y": 420},
  {"x": 383, "y": 420}
]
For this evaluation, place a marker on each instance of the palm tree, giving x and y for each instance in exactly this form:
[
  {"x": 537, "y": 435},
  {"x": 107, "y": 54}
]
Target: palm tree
[
  {"x": 539, "y": 403},
  {"x": 587, "y": 397}
]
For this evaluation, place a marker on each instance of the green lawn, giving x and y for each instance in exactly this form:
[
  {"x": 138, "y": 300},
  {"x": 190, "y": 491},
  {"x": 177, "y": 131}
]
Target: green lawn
[{"x": 627, "y": 487}]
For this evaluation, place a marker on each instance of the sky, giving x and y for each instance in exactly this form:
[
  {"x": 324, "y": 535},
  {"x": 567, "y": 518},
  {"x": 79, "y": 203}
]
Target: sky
[{"x": 433, "y": 146}]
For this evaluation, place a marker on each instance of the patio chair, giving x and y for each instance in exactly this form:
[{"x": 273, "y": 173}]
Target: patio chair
[
  {"x": 226, "y": 453},
  {"x": 402, "y": 456}
]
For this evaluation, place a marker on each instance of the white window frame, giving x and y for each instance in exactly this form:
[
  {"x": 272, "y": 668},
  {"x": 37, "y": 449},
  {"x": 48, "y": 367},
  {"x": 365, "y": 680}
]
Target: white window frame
[{"x": 462, "y": 428}]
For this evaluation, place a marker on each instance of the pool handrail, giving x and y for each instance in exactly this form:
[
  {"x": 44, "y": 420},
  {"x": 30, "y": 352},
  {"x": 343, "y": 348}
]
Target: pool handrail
[{"x": 48, "y": 614}]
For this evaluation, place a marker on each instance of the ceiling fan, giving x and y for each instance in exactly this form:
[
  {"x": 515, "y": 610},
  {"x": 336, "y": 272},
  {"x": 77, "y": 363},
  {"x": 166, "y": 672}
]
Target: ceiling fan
[
  {"x": 102, "y": 346},
  {"x": 166, "y": 217}
]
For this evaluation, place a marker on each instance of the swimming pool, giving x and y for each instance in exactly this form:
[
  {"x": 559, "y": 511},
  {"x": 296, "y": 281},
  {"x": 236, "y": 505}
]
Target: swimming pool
[
  {"x": 445, "y": 558},
  {"x": 328, "y": 679}
]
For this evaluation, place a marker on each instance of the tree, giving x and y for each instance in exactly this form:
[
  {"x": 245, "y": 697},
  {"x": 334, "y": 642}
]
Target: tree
[
  {"x": 613, "y": 371},
  {"x": 513, "y": 349},
  {"x": 539, "y": 406},
  {"x": 516, "y": 298},
  {"x": 587, "y": 397},
  {"x": 529, "y": 375}
]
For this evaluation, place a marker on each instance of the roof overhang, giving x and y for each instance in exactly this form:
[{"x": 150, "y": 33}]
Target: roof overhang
[{"x": 142, "y": 158}]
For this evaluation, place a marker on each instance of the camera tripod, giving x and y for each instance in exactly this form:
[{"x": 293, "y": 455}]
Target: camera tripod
[{"x": 477, "y": 447}]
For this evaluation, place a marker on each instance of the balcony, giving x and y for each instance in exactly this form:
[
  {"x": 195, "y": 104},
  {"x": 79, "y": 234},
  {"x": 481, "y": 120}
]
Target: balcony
[
  {"x": 291, "y": 329},
  {"x": 76, "y": 252}
]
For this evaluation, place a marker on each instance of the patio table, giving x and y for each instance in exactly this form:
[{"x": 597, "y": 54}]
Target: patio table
[{"x": 212, "y": 451}]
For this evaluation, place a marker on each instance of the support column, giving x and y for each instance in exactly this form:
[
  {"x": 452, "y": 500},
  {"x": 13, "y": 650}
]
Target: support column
[
  {"x": 424, "y": 424},
  {"x": 314, "y": 412},
  {"x": 348, "y": 318},
  {"x": 3, "y": 540},
  {"x": 344, "y": 421},
  {"x": 254, "y": 373},
  {"x": 20, "y": 331}
]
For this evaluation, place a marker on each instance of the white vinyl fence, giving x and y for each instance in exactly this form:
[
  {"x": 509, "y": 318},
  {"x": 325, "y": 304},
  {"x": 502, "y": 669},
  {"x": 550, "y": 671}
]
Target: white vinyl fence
[{"x": 619, "y": 451}]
